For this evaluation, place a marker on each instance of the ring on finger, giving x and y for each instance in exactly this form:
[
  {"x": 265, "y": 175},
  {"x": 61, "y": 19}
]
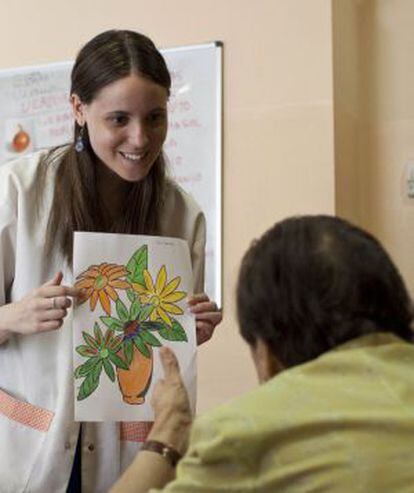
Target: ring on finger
[{"x": 54, "y": 306}]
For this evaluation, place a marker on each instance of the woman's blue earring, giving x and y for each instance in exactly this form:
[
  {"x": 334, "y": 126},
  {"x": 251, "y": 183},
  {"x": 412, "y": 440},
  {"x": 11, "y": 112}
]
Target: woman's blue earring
[{"x": 80, "y": 140}]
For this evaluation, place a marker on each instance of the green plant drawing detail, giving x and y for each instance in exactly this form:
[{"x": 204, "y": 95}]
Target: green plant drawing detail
[{"x": 147, "y": 316}]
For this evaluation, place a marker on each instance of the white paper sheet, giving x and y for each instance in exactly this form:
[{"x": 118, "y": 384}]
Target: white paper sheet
[{"x": 135, "y": 290}]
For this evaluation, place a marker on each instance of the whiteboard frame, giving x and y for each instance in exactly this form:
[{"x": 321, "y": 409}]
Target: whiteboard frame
[{"x": 218, "y": 267}]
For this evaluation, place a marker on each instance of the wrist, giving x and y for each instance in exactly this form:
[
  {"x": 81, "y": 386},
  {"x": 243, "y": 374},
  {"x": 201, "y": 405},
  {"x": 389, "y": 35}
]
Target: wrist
[
  {"x": 172, "y": 430},
  {"x": 171, "y": 454}
]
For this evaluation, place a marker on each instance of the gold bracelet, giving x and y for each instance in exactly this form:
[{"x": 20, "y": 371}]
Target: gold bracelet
[{"x": 172, "y": 455}]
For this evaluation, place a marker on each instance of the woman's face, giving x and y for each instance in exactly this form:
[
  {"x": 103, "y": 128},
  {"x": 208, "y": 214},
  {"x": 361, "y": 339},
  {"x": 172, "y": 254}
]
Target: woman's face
[{"x": 127, "y": 125}]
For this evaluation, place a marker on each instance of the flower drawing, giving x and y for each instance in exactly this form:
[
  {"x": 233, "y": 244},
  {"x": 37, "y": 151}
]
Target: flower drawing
[
  {"x": 162, "y": 295},
  {"x": 99, "y": 282},
  {"x": 144, "y": 316}
]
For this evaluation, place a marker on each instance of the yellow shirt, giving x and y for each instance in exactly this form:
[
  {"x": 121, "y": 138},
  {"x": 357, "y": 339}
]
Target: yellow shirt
[{"x": 343, "y": 422}]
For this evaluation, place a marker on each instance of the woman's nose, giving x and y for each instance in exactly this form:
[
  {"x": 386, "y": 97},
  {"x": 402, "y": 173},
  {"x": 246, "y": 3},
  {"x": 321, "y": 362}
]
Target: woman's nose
[{"x": 138, "y": 135}]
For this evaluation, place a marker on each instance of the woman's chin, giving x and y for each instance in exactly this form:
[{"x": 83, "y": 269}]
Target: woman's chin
[{"x": 130, "y": 172}]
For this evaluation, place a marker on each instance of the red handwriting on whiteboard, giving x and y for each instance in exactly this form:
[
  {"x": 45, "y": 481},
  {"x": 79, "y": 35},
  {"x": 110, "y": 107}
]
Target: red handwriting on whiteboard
[
  {"x": 42, "y": 103},
  {"x": 171, "y": 143},
  {"x": 184, "y": 123},
  {"x": 179, "y": 106},
  {"x": 190, "y": 123}
]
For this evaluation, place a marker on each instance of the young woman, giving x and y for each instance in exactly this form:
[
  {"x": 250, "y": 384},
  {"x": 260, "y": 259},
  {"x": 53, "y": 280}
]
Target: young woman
[{"x": 111, "y": 179}]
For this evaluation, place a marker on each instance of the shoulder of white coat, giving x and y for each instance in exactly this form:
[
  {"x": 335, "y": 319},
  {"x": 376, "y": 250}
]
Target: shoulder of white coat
[
  {"x": 20, "y": 173},
  {"x": 21, "y": 170},
  {"x": 175, "y": 195}
]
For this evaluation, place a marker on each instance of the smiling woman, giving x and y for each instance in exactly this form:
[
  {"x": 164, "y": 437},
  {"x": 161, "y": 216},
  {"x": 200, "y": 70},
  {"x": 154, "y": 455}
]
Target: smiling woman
[
  {"x": 127, "y": 125},
  {"x": 111, "y": 178}
]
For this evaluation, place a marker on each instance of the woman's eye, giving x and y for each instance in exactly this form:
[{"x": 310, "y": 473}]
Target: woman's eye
[
  {"x": 118, "y": 120},
  {"x": 157, "y": 118}
]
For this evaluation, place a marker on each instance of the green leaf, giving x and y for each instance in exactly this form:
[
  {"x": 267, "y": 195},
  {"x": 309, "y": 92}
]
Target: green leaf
[
  {"x": 109, "y": 370},
  {"x": 98, "y": 333},
  {"x": 135, "y": 309},
  {"x": 142, "y": 348},
  {"x": 90, "y": 341},
  {"x": 152, "y": 325},
  {"x": 84, "y": 369},
  {"x": 131, "y": 295},
  {"x": 86, "y": 351},
  {"x": 149, "y": 338},
  {"x": 89, "y": 385},
  {"x": 117, "y": 361},
  {"x": 122, "y": 311},
  {"x": 115, "y": 343},
  {"x": 128, "y": 351},
  {"x": 112, "y": 323},
  {"x": 145, "y": 312},
  {"x": 137, "y": 264},
  {"x": 175, "y": 333},
  {"x": 97, "y": 369}
]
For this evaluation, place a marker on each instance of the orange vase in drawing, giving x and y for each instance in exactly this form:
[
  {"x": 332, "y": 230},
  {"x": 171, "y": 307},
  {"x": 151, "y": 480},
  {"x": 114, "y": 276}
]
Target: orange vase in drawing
[{"x": 135, "y": 381}]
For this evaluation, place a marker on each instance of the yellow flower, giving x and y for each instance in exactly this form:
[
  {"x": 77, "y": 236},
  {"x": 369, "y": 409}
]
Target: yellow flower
[
  {"x": 162, "y": 295},
  {"x": 100, "y": 282}
]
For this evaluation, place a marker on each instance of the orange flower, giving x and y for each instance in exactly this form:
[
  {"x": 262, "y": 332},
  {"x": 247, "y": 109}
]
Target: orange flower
[{"x": 100, "y": 282}]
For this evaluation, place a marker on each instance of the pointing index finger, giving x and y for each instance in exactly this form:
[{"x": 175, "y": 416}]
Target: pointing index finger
[{"x": 169, "y": 364}]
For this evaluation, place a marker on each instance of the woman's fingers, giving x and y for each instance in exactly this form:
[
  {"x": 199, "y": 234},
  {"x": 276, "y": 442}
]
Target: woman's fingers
[
  {"x": 204, "y": 306},
  {"x": 55, "y": 281},
  {"x": 46, "y": 307},
  {"x": 197, "y": 298},
  {"x": 212, "y": 317},
  {"x": 50, "y": 325},
  {"x": 207, "y": 315},
  {"x": 54, "y": 303},
  {"x": 203, "y": 332},
  {"x": 57, "y": 291},
  {"x": 52, "y": 315}
]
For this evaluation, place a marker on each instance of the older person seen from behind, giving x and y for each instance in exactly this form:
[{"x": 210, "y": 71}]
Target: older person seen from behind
[{"x": 327, "y": 318}]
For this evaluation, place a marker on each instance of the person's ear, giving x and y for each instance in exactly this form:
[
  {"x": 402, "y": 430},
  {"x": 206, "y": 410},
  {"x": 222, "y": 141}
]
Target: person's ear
[
  {"x": 267, "y": 365},
  {"x": 78, "y": 109}
]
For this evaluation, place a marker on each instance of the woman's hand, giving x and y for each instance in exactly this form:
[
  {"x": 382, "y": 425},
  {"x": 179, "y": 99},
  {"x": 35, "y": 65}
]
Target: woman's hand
[
  {"x": 207, "y": 314},
  {"x": 171, "y": 405},
  {"x": 41, "y": 310}
]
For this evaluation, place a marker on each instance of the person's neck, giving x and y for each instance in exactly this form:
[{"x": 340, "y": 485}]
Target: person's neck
[{"x": 113, "y": 191}]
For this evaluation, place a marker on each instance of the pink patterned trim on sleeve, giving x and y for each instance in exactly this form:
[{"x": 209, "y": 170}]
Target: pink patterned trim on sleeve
[
  {"x": 25, "y": 413},
  {"x": 135, "y": 431}
]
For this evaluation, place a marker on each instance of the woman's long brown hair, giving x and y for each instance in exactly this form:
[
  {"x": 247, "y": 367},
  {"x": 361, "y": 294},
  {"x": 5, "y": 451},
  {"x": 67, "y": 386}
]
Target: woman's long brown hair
[{"x": 76, "y": 204}]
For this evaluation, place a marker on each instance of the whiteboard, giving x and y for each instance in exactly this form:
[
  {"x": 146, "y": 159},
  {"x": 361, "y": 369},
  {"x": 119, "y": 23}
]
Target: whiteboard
[{"x": 35, "y": 114}]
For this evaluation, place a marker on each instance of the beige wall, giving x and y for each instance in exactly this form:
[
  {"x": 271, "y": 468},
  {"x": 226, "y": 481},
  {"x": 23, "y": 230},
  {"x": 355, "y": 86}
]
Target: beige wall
[
  {"x": 348, "y": 98},
  {"x": 278, "y": 116},
  {"x": 374, "y": 120}
]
